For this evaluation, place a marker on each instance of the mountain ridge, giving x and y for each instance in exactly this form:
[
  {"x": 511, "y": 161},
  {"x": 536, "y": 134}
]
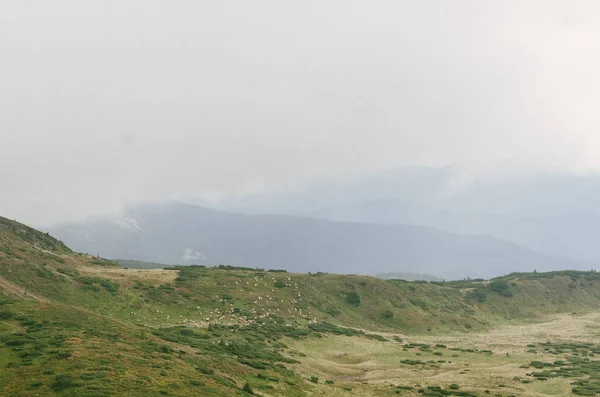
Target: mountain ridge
[
  {"x": 167, "y": 233},
  {"x": 570, "y": 234}
]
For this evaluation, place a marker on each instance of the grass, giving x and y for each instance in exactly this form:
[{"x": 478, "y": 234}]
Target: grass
[
  {"x": 75, "y": 325},
  {"x": 58, "y": 349},
  {"x": 473, "y": 369}
]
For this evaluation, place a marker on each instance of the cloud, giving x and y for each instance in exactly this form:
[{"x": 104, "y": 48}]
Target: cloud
[{"x": 104, "y": 104}]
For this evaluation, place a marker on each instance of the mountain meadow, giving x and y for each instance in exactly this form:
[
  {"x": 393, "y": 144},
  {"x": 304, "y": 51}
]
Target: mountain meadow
[{"x": 78, "y": 325}]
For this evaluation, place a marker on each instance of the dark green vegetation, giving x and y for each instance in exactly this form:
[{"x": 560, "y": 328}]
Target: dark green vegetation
[
  {"x": 580, "y": 363},
  {"x": 408, "y": 276},
  {"x": 76, "y": 325},
  {"x": 437, "y": 391}
]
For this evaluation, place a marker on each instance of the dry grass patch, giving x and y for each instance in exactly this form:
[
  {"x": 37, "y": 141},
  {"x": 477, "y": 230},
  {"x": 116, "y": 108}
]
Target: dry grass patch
[
  {"x": 358, "y": 361},
  {"x": 149, "y": 276}
]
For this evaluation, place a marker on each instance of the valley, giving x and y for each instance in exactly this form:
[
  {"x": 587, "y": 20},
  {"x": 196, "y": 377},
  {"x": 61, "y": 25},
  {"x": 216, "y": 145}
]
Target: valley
[{"x": 76, "y": 325}]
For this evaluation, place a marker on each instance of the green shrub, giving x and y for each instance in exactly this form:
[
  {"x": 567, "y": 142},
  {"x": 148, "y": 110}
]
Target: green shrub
[
  {"x": 68, "y": 271},
  {"x": 376, "y": 337},
  {"x": 205, "y": 370},
  {"x": 334, "y": 329},
  {"x": 229, "y": 267},
  {"x": 501, "y": 287},
  {"x": 254, "y": 364},
  {"x": 333, "y": 311},
  {"x": 93, "y": 283},
  {"x": 63, "y": 382},
  {"x": 477, "y": 295},
  {"x": 35, "y": 385},
  {"x": 419, "y": 303},
  {"x": 353, "y": 298},
  {"x": 63, "y": 354},
  {"x": 247, "y": 388}
]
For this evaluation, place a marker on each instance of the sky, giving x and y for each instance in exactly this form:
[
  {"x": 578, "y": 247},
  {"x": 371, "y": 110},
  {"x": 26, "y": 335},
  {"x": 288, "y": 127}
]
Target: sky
[{"x": 114, "y": 102}]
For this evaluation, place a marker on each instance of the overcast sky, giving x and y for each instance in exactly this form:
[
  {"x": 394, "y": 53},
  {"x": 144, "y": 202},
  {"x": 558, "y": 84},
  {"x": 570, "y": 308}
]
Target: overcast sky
[{"x": 111, "y": 102}]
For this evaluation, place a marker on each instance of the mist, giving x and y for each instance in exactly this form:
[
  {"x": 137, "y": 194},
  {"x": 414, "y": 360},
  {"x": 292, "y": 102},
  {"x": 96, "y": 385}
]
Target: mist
[{"x": 115, "y": 103}]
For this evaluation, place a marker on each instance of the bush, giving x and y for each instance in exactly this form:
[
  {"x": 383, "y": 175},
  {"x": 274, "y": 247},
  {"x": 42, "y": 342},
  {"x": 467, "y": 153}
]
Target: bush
[
  {"x": 280, "y": 284},
  {"x": 247, "y": 388},
  {"x": 197, "y": 383},
  {"x": 387, "y": 314},
  {"x": 229, "y": 267},
  {"x": 205, "y": 370},
  {"x": 477, "y": 295},
  {"x": 35, "y": 385},
  {"x": 62, "y": 382},
  {"x": 254, "y": 364},
  {"x": 419, "y": 303},
  {"x": 376, "y": 337},
  {"x": 333, "y": 311},
  {"x": 353, "y": 298},
  {"x": 334, "y": 329},
  {"x": 94, "y": 284},
  {"x": 68, "y": 271},
  {"x": 63, "y": 354},
  {"x": 501, "y": 287}
]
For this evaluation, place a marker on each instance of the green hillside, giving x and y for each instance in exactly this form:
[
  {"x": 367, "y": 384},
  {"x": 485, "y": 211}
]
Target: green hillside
[{"x": 76, "y": 325}]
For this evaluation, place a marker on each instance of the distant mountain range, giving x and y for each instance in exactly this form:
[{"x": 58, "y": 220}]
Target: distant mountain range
[
  {"x": 574, "y": 235},
  {"x": 175, "y": 233},
  {"x": 552, "y": 211}
]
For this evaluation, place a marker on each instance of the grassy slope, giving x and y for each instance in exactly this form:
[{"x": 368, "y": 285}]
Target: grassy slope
[{"x": 147, "y": 331}]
